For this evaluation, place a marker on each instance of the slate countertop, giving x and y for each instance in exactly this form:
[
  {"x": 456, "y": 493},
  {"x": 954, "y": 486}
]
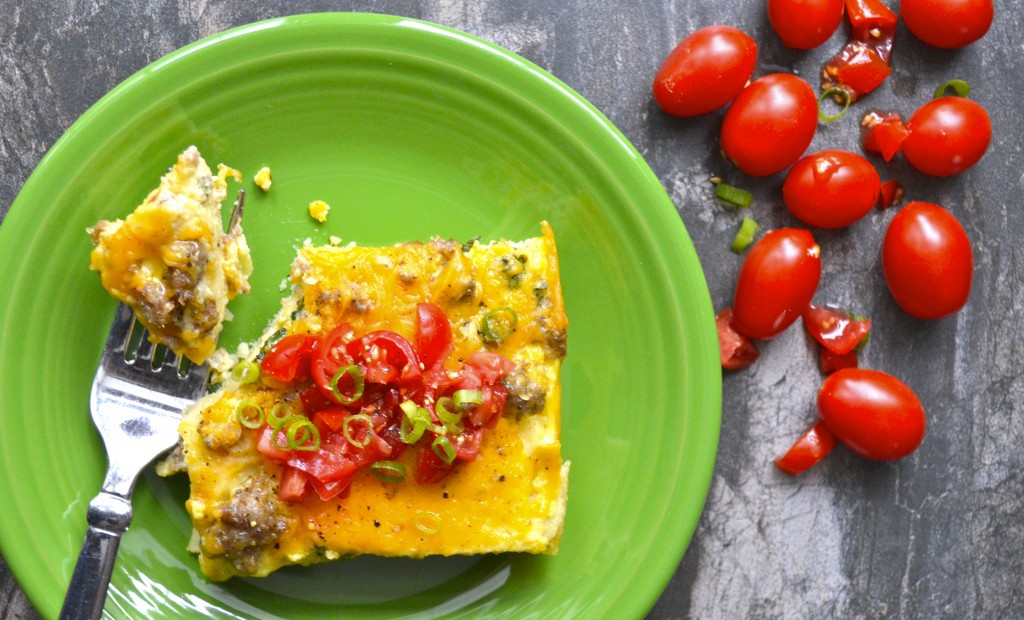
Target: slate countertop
[{"x": 938, "y": 534}]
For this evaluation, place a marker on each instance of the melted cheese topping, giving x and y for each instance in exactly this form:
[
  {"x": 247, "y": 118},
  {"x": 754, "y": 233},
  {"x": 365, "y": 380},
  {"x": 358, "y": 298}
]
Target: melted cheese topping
[
  {"x": 171, "y": 261},
  {"x": 510, "y": 499}
]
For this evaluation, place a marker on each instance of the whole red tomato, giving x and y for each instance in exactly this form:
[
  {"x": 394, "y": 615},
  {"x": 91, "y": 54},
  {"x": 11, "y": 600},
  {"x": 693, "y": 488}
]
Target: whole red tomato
[
  {"x": 927, "y": 261},
  {"x": 805, "y": 24},
  {"x": 776, "y": 282},
  {"x": 770, "y": 124},
  {"x": 947, "y": 136},
  {"x": 831, "y": 189},
  {"x": 872, "y": 413},
  {"x": 705, "y": 71},
  {"x": 947, "y": 23}
]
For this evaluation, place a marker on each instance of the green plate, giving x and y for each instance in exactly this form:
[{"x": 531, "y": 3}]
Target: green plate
[{"x": 407, "y": 130}]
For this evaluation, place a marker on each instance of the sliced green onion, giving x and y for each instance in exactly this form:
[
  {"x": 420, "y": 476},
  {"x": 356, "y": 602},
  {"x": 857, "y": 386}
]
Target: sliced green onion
[
  {"x": 298, "y": 433},
  {"x": 465, "y": 399},
  {"x": 308, "y": 440},
  {"x": 835, "y": 91},
  {"x": 427, "y": 522},
  {"x": 250, "y": 414},
  {"x": 733, "y": 195},
  {"x": 358, "y": 384},
  {"x": 452, "y": 420},
  {"x": 389, "y": 471},
  {"x": 745, "y": 236},
  {"x": 960, "y": 88},
  {"x": 279, "y": 414},
  {"x": 245, "y": 372},
  {"x": 414, "y": 422},
  {"x": 499, "y": 324},
  {"x": 443, "y": 448},
  {"x": 349, "y": 433}
]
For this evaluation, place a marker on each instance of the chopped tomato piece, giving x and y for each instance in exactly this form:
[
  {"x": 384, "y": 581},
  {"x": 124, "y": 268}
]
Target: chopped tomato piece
[
  {"x": 430, "y": 468},
  {"x": 885, "y": 134},
  {"x": 331, "y": 355},
  {"x": 830, "y": 362},
  {"x": 736, "y": 351},
  {"x": 870, "y": 19},
  {"x": 335, "y": 488},
  {"x": 863, "y": 63},
  {"x": 386, "y": 356},
  {"x": 490, "y": 366},
  {"x": 294, "y": 485},
  {"x": 837, "y": 331},
  {"x": 858, "y": 69},
  {"x": 890, "y": 194},
  {"x": 288, "y": 360},
  {"x": 813, "y": 445},
  {"x": 433, "y": 334}
]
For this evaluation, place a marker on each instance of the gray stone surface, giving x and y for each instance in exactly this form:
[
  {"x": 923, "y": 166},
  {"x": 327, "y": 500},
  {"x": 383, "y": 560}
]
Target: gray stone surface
[{"x": 938, "y": 534}]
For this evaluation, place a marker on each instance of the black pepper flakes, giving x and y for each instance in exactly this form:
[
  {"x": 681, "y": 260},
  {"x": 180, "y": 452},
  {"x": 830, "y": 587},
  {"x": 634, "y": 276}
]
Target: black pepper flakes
[{"x": 376, "y": 523}]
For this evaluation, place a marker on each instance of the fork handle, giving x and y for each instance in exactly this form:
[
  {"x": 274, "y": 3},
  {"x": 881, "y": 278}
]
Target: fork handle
[{"x": 109, "y": 516}]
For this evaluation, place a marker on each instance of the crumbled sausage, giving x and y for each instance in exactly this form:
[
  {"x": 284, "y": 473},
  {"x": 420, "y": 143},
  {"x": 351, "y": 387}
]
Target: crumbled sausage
[
  {"x": 525, "y": 396},
  {"x": 253, "y": 519}
]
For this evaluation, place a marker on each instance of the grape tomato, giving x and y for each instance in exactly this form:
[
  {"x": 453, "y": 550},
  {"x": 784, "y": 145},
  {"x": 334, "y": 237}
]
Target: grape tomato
[
  {"x": 770, "y": 124},
  {"x": 872, "y": 413},
  {"x": 805, "y": 24},
  {"x": 947, "y": 136},
  {"x": 947, "y": 24},
  {"x": 831, "y": 189},
  {"x": 705, "y": 71},
  {"x": 776, "y": 282},
  {"x": 927, "y": 261}
]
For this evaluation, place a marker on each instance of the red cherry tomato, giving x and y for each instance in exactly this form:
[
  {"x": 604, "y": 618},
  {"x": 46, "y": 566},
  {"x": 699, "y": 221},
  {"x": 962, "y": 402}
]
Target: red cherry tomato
[
  {"x": 805, "y": 24},
  {"x": 735, "y": 350},
  {"x": 947, "y": 136},
  {"x": 927, "y": 261},
  {"x": 776, "y": 282},
  {"x": 947, "y": 23},
  {"x": 831, "y": 189},
  {"x": 705, "y": 71},
  {"x": 770, "y": 124},
  {"x": 813, "y": 445},
  {"x": 872, "y": 413},
  {"x": 837, "y": 331}
]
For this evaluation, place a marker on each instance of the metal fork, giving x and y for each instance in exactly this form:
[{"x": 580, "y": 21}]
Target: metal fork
[{"x": 138, "y": 395}]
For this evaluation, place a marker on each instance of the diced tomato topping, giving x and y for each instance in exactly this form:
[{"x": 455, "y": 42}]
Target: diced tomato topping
[
  {"x": 294, "y": 485},
  {"x": 836, "y": 331},
  {"x": 489, "y": 366},
  {"x": 385, "y": 357},
  {"x": 331, "y": 356},
  {"x": 813, "y": 445},
  {"x": 391, "y": 371},
  {"x": 735, "y": 350},
  {"x": 830, "y": 362},
  {"x": 288, "y": 360},
  {"x": 433, "y": 335},
  {"x": 430, "y": 468}
]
